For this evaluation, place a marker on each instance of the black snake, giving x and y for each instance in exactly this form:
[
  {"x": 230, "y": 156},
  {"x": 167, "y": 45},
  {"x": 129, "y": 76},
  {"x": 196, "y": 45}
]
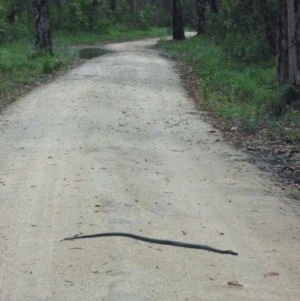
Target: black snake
[{"x": 155, "y": 241}]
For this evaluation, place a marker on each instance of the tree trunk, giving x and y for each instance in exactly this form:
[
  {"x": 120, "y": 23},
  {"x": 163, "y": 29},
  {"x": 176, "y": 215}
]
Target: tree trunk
[
  {"x": 113, "y": 5},
  {"x": 297, "y": 38},
  {"x": 95, "y": 4},
  {"x": 21, "y": 7},
  {"x": 167, "y": 7},
  {"x": 11, "y": 17},
  {"x": 288, "y": 43},
  {"x": 92, "y": 16},
  {"x": 214, "y": 6},
  {"x": 292, "y": 55},
  {"x": 282, "y": 45},
  {"x": 132, "y": 4},
  {"x": 134, "y": 13},
  {"x": 267, "y": 25},
  {"x": 178, "y": 30},
  {"x": 59, "y": 14},
  {"x": 201, "y": 16},
  {"x": 43, "y": 36},
  {"x": 288, "y": 51}
]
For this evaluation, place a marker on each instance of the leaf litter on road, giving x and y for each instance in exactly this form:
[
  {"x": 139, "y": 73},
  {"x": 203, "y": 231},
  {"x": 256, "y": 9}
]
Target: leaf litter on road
[
  {"x": 271, "y": 274},
  {"x": 235, "y": 283}
]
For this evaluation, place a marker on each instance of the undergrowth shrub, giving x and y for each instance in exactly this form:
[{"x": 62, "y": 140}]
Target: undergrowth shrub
[
  {"x": 242, "y": 92},
  {"x": 83, "y": 16},
  {"x": 240, "y": 28}
]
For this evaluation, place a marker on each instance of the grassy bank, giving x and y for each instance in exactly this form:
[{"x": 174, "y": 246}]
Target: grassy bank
[
  {"x": 19, "y": 68},
  {"x": 243, "y": 93}
]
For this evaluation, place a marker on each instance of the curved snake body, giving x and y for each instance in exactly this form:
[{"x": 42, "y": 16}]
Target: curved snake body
[{"x": 156, "y": 241}]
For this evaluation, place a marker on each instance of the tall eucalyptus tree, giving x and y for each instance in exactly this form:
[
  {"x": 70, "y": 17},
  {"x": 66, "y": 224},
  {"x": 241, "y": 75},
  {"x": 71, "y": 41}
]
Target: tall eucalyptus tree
[
  {"x": 43, "y": 42},
  {"x": 59, "y": 14},
  {"x": 200, "y": 4},
  {"x": 288, "y": 44},
  {"x": 178, "y": 30},
  {"x": 113, "y": 4},
  {"x": 214, "y": 5}
]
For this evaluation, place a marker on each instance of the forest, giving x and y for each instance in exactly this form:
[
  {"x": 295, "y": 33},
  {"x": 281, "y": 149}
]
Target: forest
[{"x": 245, "y": 56}]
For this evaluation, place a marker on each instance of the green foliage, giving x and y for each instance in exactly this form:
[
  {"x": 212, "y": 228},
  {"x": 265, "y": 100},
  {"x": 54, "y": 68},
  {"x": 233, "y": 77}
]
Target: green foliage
[
  {"x": 19, "y": 65},
  {"x": 122, "y": 15},
  {"x": 79, "y": 16},
  {"x": 288, "y": 94},
  {"x": 117, "y": 33},
  {"x": 2, "y": 16},
  {"x": 82, "y": 15},
  {"x": 146, "y": 17},
  {"x": 189, "y": 14},
  {"x": 50, "y": 63},
  {"x": 72, "y": 22},
  {"x": 244, "y": 93},
  {"x": 241, "y": 28},
  {"x": 21, "y": 28}
]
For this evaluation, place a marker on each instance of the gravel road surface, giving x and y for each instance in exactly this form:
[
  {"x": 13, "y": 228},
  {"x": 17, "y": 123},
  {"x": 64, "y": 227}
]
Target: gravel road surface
[{"x": 116, "y": 145}]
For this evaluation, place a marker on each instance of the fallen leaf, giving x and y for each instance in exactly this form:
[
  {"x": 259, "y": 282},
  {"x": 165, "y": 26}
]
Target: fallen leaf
[
  {"x": 97, "y": 205},
  {"x": 76, "y": 235},
  {"x": 183, "y": 232},
  {"x": 220, "y": 233},
  {"x": 234, "y": 283},
  {"x": 271, "y": 274}
]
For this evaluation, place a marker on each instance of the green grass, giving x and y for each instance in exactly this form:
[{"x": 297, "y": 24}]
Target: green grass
[
  {"x": 114, "y": 34},
  {"x": 19, "y": 66},
  {"x": 244, "y": 93}
]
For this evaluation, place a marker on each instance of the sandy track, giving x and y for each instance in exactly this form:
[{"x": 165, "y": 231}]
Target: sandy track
[{"x": 116, "y": 145}]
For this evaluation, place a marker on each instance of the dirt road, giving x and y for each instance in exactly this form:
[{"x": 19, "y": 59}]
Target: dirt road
[{"x": 116, "y": 145}]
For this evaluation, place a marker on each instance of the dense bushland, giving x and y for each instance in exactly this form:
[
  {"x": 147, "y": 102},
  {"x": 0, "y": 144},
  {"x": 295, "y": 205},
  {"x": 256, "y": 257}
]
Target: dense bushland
[
  {"x": 78, "y": 22},
  {"x": 235, "y": 62},
  {"x": 245, "y": 29},
  {"x": 234, "y": 59},
  {"x": 244, "y": 93}
]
